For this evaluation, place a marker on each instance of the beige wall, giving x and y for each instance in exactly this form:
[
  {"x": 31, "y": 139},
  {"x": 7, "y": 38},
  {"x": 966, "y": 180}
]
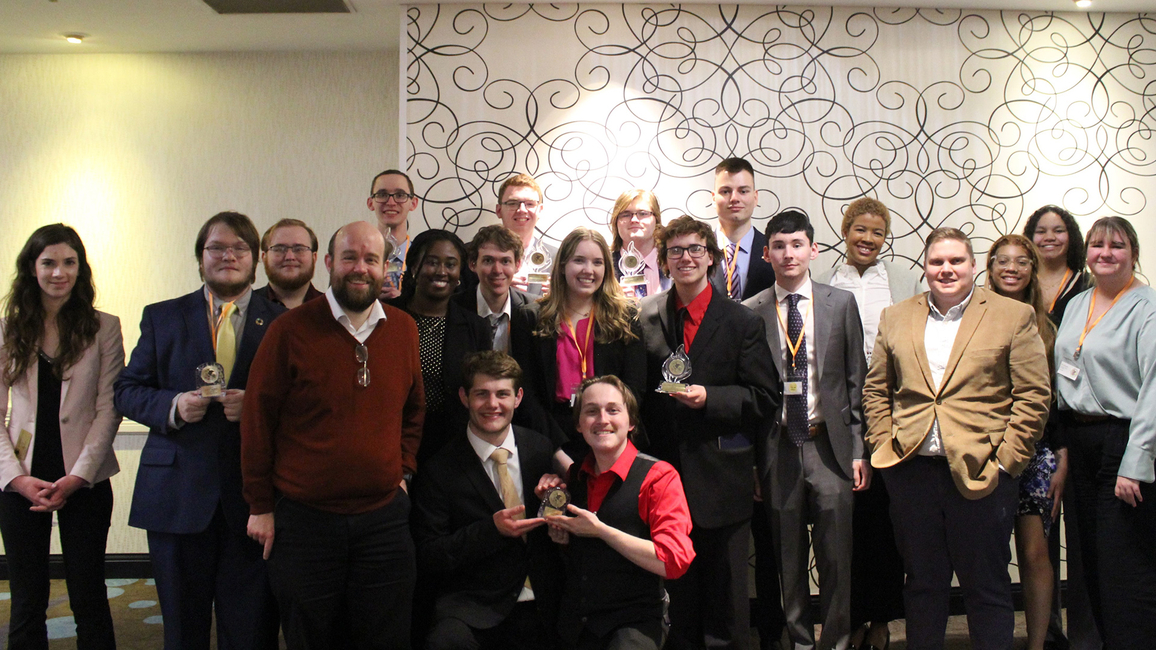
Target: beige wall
[{"x": 135, "y": 151}]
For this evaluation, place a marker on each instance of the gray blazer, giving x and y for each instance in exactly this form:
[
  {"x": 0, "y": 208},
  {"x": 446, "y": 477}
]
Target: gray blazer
[{"x": 841, "y": 369}]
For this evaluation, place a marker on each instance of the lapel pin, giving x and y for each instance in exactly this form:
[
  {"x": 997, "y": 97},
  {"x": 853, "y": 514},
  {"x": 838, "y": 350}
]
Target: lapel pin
[{"x": 260, "y": 321}]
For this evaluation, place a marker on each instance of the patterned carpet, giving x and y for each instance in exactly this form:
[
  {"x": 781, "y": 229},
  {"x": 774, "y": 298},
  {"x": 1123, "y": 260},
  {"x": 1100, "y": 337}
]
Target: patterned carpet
[{"x": 137, "y": 618}]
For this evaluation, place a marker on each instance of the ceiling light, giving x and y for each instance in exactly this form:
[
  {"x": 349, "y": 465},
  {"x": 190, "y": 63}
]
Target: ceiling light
[
  {"x": 74, "y": 38},
  {"x": 1083, "y": 4}
]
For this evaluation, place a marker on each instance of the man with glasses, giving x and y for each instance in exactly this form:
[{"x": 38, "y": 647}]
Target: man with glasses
[
  {"x": 188, "y": 487},
  {"x": 708, "y": 431},
  {"x": 392, "y": 198},
  {"x": 520, "y": 202},
  {"x": 329, "y": 439},
  {"x": 289, "y": 251}
]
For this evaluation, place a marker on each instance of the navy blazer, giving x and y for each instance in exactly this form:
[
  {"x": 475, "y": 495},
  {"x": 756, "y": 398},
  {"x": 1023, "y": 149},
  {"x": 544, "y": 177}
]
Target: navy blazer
[
  {"x": 712, "y": 448},
  {"x": 479, "y": 573},
  {"x": 760, "y": 273},
  {"x": 185, "y": 473}
]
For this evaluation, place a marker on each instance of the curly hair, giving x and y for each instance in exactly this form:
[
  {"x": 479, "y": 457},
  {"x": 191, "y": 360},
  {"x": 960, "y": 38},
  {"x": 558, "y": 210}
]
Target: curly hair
[
  {"x": 614, "y": 313},
  {"x": 414, "y": 258},
  {"x": 1032, "y": 295},
  {"x": 1077, "y": 253},
  {"x": 77, "y": 321},
  {"x": 862, "y": 206}
]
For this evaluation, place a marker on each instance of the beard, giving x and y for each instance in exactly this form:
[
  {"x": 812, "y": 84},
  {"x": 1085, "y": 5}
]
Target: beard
[
  {"x": 357, "y": 300},
  {"x": 289, "y": 282}
]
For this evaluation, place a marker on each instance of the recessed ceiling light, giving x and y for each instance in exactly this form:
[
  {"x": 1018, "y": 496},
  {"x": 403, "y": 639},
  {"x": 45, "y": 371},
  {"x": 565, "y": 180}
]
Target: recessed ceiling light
[
  {"x": 74, "y": 38},
  {"x": 1083, "y": 4}
]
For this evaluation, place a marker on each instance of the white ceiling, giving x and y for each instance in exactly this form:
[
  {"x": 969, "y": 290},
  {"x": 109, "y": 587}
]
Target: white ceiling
[{"x": 35, "y": 26}]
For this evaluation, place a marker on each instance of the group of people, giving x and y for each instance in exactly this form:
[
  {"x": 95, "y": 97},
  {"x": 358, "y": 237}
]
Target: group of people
[{"x": 510, "y": 444}]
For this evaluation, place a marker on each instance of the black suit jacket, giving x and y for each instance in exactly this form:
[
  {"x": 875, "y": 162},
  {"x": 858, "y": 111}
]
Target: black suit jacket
[
  {"x": 730, "y": 358},
  {"x": 760, "y": 273},
  {"x": 520, "y": 323},
  {"x": 478, "y": 572},
  {"x": 538, "y": 357}
]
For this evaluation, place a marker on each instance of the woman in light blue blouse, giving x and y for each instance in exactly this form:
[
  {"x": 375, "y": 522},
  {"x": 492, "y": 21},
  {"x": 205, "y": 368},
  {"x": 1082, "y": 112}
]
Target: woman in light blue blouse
[{"x": 1106, "y": 383}]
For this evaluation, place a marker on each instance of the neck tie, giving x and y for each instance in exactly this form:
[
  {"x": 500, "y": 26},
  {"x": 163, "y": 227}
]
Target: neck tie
[
  {"x": 505, "y": 483},
  {"x": 797, "y": 423},
  {"x": 496, "y": 321},
  {"x": 227, "y": 340},
  {"x": 734, "y": 278}
]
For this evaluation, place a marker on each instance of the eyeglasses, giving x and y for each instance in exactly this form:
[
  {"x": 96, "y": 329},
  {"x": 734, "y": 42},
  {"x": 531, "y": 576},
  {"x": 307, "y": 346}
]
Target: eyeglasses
[
  {"x": 300, "y": 250},
  {"x": 514, "y": 205},
  {"x": 382, "y": 196},
  {"x": 218, "y": 251},
  {"x": 641, "y": 214},
  {"x": 694, "y": 250},
  {"x": 362, "y": 354},
  {"x": 1021, "y": 263}
]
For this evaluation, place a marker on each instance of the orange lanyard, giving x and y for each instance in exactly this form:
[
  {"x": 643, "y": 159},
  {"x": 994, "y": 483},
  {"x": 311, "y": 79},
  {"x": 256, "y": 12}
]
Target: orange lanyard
[
  {"x": 1092, "y": 308},
  {"x": 732, "y": 263},
  {"x": 1060, "y": 292},
  {"x": 793, "y": 347},
  {"x": 574, "y": 337},
  {"x": 215, "y": 323}
]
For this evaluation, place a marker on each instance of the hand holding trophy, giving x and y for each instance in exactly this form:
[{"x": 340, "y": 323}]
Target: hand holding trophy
[{"x": 675, "y": 369}]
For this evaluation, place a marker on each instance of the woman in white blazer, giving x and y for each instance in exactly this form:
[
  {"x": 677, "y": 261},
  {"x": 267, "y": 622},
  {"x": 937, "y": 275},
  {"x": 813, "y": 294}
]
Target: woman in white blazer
[
  {"x": 876, "y": 566},
  {"x": 59, "y": 360}
]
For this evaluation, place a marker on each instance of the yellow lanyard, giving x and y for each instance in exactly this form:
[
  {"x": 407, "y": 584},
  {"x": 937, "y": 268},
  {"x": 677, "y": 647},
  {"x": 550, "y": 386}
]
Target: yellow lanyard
[
  {"x": 732, "y": 263},
  {"x": 573, "y": 336},
  {"x": 1060, "y": 292},
  {"x": 1092, "y": 308},
  {"x": 793, "y": 347}
]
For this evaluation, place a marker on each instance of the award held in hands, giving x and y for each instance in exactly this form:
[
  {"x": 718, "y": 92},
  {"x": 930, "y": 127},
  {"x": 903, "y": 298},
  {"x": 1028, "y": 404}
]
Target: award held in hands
[
  {"x": 675, "y": 369},
  {"x": 539, "y": 264},
  {"x": 630, "y": 263},
  {"x": 210, "y": 380},
  {"x": 554, "y": 502},
  {"x": 393, "y": 263}
]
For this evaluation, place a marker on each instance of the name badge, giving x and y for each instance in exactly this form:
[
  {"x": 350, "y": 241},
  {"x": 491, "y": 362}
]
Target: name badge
[
  {"x": 1069, "y": 370},
  {"x": 793, "y": 388}
]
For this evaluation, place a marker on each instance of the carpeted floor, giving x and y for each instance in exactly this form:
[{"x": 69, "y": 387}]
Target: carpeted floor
[{"x": 138, "y": 619}]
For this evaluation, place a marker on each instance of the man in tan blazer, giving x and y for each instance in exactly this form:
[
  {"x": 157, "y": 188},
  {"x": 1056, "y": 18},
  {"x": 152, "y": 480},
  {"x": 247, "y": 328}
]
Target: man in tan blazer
[{"x": 955, "y": 398}]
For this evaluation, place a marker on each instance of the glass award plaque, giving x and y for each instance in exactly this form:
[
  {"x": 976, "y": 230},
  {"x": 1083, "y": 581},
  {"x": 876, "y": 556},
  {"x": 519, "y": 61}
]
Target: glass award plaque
[
  {"x": 539, "y": 264},
  {"x": 554, "y": 502},
  {"x": 393, "y": 264},
  {"x": 210, "y": 380},
  {"x": 630, "y": 263},
  {"x": 675, "y": 369}
]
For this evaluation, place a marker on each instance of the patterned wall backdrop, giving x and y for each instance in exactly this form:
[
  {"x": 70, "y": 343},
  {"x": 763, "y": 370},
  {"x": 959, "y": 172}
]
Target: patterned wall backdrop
[{"x": 964, "y": 118}]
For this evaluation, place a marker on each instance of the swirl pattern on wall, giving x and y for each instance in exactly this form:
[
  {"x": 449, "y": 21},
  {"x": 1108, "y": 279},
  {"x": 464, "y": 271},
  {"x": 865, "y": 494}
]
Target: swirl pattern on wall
[{"x": 964, "y": 118}]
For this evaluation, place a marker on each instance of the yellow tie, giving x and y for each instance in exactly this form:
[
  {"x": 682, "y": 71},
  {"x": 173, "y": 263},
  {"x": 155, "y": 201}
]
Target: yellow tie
[
  {"x": 226, "y": 340},
  {"x": 506, "y": 485}
]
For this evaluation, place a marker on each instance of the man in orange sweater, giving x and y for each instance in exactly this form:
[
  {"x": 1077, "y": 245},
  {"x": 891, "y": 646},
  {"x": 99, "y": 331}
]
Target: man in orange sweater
[{"x": 329, "y": 437}]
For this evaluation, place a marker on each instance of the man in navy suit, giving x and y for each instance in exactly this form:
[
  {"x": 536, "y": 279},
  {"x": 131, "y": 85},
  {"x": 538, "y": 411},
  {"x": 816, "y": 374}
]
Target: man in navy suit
[
  {"x": 188, "y": 487},
  {"x": 497, "y": 572},
  {"x": 743, "y": 273}
]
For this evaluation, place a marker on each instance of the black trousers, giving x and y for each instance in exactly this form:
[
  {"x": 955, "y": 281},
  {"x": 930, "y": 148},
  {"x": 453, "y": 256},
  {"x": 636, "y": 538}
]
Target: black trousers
[
  {"x": 84, "y": 522},
  {"x": 876, "y": 566},
  {"x": 344, "y": 581},
  {"x": 522, "y": 630},
  {"x": 710, "y": 604},
  {"x": 940, "y": 532},
  {"x": 1117, "y": 541}
]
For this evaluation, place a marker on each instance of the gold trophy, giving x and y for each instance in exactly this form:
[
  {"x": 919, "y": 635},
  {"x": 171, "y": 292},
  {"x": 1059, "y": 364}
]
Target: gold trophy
[
  {"x": 630, "y": 263},
  {"x": 675, "y": 369},
  {"x": 210, "y": 380}
]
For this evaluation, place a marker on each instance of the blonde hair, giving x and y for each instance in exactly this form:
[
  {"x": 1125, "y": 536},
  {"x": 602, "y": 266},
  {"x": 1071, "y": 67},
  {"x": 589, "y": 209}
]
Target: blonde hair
[
  {"x": 623, "y": 202},
  {"x": 614, "y": 313},
  {"x": 866, "y": 205}
]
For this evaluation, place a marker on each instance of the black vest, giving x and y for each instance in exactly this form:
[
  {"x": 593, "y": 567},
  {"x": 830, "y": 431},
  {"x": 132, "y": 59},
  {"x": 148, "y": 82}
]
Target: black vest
[{"x": 604, "y": 590}]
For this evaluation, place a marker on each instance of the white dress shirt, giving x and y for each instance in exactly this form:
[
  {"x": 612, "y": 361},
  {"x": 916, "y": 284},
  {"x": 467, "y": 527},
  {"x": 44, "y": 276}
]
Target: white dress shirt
[
  {"x": 376, "y": 313},
  {"x": 502, "y": 329},
  {"x": 807, "y": 309},
  {"x": 938, "y": 339},
  {"x": 872, "y": 293},
  {"x": 513, "y": 467}
]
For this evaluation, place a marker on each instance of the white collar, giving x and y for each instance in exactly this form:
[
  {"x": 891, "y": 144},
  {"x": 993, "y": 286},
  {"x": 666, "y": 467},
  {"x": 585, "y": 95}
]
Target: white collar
[
  {"x": 484, "y": 307},
  {"x": 376, "y": 312}
]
